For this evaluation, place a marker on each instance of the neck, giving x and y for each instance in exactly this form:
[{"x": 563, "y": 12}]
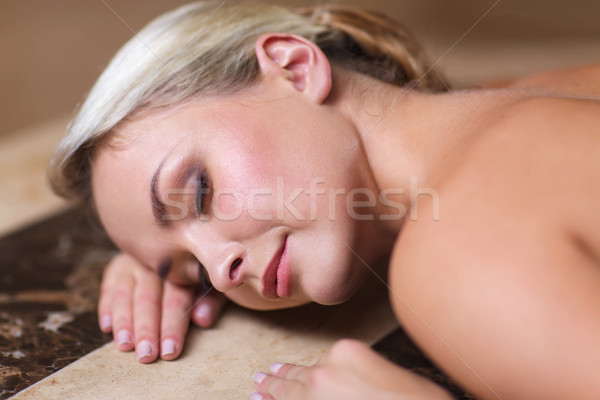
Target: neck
[{"x": 409, "y": 138}]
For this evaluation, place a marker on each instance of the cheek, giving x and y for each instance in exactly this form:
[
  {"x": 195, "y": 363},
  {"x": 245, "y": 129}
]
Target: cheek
[
  {"x": 270, "y": 169},
  {"x": 246, "y": 182},
  {"x": 227, "y": 204}
]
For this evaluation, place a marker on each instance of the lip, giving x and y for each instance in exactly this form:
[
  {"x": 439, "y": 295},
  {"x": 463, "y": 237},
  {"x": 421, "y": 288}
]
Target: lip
[{"x": 276, "y": 279}]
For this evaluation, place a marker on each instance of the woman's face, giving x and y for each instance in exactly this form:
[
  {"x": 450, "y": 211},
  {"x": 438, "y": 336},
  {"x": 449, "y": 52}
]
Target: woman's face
[{"x": 253, "y": 186}]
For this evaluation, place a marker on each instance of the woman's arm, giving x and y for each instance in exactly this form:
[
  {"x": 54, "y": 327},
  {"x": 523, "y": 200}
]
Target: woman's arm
[
  {"x": 504, "y": 325},
  {"x": 350, "y": 371}
]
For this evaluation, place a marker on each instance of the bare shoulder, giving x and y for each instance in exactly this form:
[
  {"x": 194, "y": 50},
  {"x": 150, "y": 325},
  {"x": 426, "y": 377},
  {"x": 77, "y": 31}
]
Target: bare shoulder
[
  {"x": 542, "y": 155},
  {"x": 495, "y": 286}
]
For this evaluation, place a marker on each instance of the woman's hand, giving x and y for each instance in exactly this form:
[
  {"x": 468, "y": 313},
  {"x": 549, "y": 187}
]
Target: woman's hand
[
  {"x": 350, "y": 370},
  {"x": 149, "y": 314}
]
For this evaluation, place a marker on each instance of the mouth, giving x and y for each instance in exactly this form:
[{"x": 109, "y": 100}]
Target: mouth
[{"x": 276, "y": 279}]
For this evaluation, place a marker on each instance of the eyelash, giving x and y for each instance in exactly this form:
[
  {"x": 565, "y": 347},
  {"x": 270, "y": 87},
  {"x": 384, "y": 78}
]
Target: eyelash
[{"x": 202, "y": 189}]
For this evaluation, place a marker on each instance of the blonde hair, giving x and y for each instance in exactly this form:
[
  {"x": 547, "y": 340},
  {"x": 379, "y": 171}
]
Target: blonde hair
[{"x": 207, "y": 48}]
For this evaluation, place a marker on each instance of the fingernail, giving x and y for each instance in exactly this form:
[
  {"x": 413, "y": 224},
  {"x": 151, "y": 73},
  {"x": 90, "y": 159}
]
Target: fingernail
[
  {"x": 275, "y": 367},
  {"x": 259, "y": 376},
  {"x": 123, "y": 337},
  {"x": 204, "y": 312},
  {"x": 106, "y": 322},
  {"x": 167, "y": 347},
  {"x": 256, "y": 396},
  {"x": 144, "y": 349}
]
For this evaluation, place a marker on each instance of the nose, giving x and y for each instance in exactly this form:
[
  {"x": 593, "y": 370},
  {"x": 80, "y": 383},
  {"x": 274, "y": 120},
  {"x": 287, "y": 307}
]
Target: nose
[{"x": 226, "y": 268}]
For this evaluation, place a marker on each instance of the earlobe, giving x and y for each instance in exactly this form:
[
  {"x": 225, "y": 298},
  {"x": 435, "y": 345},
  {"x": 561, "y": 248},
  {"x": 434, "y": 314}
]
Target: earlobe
[{"x": 298, "y": 61}]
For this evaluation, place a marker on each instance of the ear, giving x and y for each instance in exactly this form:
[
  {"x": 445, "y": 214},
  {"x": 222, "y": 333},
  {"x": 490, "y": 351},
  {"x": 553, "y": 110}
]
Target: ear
[{"x": 297, "y": 60}]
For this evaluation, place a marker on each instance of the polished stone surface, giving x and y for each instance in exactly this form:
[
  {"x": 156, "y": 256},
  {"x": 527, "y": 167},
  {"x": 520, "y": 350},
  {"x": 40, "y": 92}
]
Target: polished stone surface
[
  {"x": 398, "y": 347},
  {"x": 49, "y": 282},
  {"x": 49, "y": 279}
]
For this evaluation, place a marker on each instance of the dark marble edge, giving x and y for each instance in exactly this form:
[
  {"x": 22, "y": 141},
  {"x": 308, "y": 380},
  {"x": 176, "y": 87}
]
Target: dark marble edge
[
  {"x": 49, "y": 280},
  {"x": 399, "y": 348}
]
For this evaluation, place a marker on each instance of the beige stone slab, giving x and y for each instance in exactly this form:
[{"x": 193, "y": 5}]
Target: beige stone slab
[
  {"x": 24, "y": 192},
  {"x": 219, "y": 363}
]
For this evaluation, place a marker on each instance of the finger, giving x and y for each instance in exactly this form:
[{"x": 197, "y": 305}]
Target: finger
[
  {"x": 208, "y": 308},
  {"x": 278, "y": 388},
  {"x": 289, "y": 371},
  {"x": 258, "y": 396},
  {"x": 175, "y": 319},
  {"x": 146, "y": 310},
  {"x": 105, "y": 302},
  {"x": 122, "y": 284}
]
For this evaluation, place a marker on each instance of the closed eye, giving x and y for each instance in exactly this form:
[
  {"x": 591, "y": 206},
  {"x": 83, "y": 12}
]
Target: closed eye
[{"x": 202, "y": 190}]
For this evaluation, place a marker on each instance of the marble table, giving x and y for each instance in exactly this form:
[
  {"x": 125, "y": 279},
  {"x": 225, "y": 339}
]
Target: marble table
[{"x": 49, "y": 278}]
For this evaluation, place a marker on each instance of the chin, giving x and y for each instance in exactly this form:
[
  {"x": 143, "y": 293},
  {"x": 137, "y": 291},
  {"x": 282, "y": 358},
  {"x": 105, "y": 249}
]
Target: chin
[
  {"x": 334, "y": 279},
  {"x": 329, "y": 292},
  {"x": 331, "y": 299}
]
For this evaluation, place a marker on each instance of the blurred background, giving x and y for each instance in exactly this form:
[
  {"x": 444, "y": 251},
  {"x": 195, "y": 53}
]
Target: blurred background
[{"x": 52, "y": 51}]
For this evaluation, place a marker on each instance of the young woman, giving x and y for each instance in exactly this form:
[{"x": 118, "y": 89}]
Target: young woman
[{"x": 279, "y": 154}]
